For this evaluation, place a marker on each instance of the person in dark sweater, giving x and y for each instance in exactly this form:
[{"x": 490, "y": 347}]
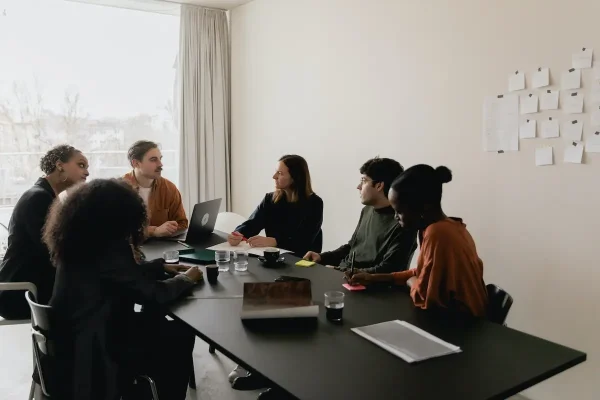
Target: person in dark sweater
[
  {"x": 378, "y": 244},
  {"x": 291, "y": 216},
  {"x": 27, "y": 258}
]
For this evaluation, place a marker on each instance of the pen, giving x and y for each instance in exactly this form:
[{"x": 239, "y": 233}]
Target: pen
[
  {"x": 238, "y": 234},
  {"x": 184, "y": 244},
  {"x": 352, "y": 264}
]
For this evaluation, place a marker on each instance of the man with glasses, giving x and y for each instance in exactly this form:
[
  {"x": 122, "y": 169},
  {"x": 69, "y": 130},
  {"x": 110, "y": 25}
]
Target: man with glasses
[{"x": 379, "y": 244}]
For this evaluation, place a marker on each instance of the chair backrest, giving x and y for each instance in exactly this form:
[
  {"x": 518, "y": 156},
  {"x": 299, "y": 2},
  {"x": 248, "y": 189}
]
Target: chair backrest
[
  {"x": 228, "y": 221},
  {"x": 43, "y": 349},
  {"x": 499, "y": 304}
]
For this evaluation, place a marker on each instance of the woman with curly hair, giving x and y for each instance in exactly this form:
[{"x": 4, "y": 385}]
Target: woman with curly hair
[
  {"x": 27, "y": 258},
  {"x": 101, "y": 343}
]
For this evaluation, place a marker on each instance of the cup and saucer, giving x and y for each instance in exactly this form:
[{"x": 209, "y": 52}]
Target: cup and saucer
[{"x": 272, "y": 258}]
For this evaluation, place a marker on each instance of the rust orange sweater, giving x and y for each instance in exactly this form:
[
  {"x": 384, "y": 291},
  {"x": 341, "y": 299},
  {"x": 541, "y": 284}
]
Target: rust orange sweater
[{"x": 449, "y": 272}]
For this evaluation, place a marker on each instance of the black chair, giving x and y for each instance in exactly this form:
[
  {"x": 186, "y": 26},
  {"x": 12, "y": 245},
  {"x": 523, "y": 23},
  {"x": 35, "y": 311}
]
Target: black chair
[
  {"x": 499, "y": 304},
  {"x": 43, "y": 351}
]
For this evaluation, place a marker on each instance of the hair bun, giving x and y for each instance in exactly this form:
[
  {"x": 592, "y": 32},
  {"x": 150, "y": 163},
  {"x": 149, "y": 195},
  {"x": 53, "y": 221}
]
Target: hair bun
[{"x": 444, "y": 174}]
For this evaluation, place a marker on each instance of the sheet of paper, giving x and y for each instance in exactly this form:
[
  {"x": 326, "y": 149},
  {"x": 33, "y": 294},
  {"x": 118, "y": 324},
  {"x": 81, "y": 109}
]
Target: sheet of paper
[
  {"x": 572, "y": 103},
  {"x": 572, "y": 130},
  {"x": 549, "y": 100},
  {"x": 550, "y": 128},
  {"x": 527, "y": 129},
  {"x": 516, "y": 81},
  {"x": 595, "y": 92},
  {"x": 529, "y": 103},
  {"x": 244, "y": 246},
  {"x": 571, "y": 79},
  {"x": 593, "y": 143},
  {"x": 597, "y": 73},
  {"x": 573, "y": 152},
  {"x": 595, "y": 118},
  {"x": 501, "y": 123},
  {"x": 541, "y": 78},
  {"x": 583, "y": 58},
  {"x": 543, "y": 156}
]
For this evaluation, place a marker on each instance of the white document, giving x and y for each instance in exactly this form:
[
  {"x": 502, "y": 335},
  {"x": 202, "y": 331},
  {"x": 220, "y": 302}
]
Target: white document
[
  {"x": 541, "y": 78},
  {"x": 516, "y": 81},
  {"x": 595, "y": 95},
  {"x": 572, "y": 130},
  {"x": 571, "y": 79},
  {"x": 550, "y": 128},
  {"x": 595, "y": 119},
  {"x": 549, "y": 100},
  {"x": 543, "y": 156},
  {"x": 573, "y": 152},
  {"x": 572, "y": 103},
  {"x": 593, "y": 144},
  {"x": 244, "y": 246},
  {"x": 583, "y": 58},
  {"x": 527, "y": 129},
  {"x": 529, "y": 103},
  {"x": 501, "y": 123}
]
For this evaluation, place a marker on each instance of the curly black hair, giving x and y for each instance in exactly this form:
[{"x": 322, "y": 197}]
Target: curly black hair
[
  {"x": 382, "y": 170},
  {"x": 62, "y": 152},
  {"x": 93, "y": 218}
]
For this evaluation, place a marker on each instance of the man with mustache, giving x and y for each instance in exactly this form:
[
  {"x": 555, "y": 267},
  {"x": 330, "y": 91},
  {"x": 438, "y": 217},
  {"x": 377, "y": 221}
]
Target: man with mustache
[{"x": 161, "y": 196}]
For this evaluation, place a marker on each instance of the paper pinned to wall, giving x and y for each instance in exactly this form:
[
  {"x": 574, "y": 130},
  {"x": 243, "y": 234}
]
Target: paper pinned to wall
[
  {"x": 595, "y": 119},
  {"x": 593, "y": 143},
  {"x": 516, "y": 81},
  {"x": 529, "y": 103},
  {"x": 543, "y": 156},
  {"x": 583, "y": 58},
  {"x": 541, "y": 78},
  {"x": 597, "y": 73},
  {"x": 571, "y": 79},
  {"x": 573, "y": 103},
  {"x": 595, "y": 93},
  {"x": 549, "y": 100},
  {"x": 574, "y": 152},
  {"x": 527, "y": 129},
  {"x": 572, "y": 130},
  {"x": 501, "y": 123},
  {"x": 550, "y": 128}
]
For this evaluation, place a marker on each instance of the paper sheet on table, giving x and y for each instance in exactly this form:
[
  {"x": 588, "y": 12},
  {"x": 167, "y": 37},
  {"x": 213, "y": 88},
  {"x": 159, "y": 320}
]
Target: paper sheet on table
[
  {"x": 527, "y": 129},
  {"x": 244, "y": 246},
  {"x": 549, "y": 100},
  {"x": 572, "y": 130},
  {"x": 572, "y": 103},
  {"x": 501, "y": 123},
  {"x": 516, "y": 81},
  {"x": 541, "y": 78},
  {"x": 571, "y": 79},
  {"x": 583, "y": 58},
  {"x": 574, "y": 152},
  {"x": 543, "y": 156},
  {"x": 593, "y": 143},
  {"x": 528, "y": 103},
  {"x": 550, "y": 128},
  {"x": 595, "y": 118},
  {"x": 595, "y": 92}
]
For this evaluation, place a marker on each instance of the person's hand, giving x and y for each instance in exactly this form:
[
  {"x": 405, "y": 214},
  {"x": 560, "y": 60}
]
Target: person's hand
[
  {"x": 195, "y": 274},
  {"x": 175, "y": 268},
  {"x": 312, "y": 256},
  {"x": 166, "y": 229},
  {"x": 359, "y": 278},
  {"x": 235, "y": 238},
  {"x": 261, "y": 241}
]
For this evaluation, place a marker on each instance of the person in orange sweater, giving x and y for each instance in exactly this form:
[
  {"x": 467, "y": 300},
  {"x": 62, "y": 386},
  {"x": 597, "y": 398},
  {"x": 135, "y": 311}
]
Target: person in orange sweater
[
  {"x": 449, "y": 272},
  {"x": 162, "y": 198}
]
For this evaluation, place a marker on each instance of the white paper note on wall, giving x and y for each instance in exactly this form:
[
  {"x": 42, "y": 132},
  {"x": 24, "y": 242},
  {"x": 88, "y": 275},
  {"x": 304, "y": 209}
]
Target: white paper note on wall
[
  {"x": 541, "y": 78},
  {"x": 595, "y": 118},
  {"x": 574, "y": 152},
  {"x": 572, "y": 130},
  {"x": 543, "y": 156},
  {"x": 583, "y": 58},
  {"x": 595, "y": 92},
  {"x": 501, "y": 123},
  {"x": 549, "y": 100},
  {"x": 528, "y": 103},
  {"x": 593, "y": 143},
  {"x": 572, "y": 103},
  {"x": 597, "y": 73},
  {"x": 571, "y": 79},
  {"x": 516, "y": 81},
  {"x": 527, "y": 129},
  {"x": 550, "y": 128}
]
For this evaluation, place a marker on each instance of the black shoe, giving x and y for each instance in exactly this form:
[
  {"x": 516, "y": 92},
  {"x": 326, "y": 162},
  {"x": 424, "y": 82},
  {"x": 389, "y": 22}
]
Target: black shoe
[
  {"x": 249, "y": 382},
  {"x": 272, "y": 394}
]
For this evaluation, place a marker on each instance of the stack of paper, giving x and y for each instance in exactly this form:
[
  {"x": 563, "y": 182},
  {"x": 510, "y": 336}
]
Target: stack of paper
[
  {"x": 406, "y": 341},
  {"x": 244, "y": 246},
  {"x": 265, "y": 300}
]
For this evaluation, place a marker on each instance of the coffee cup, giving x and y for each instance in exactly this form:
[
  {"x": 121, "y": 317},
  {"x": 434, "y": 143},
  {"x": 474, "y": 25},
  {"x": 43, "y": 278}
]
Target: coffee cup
[
  {"x": 212, "y": 272},
  {"x": 271, "y": 255}
]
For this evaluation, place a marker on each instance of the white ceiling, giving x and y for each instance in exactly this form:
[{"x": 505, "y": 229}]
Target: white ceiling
[
  {"x": 224, "y": 4},
  {"x": 166, "y": 6}
]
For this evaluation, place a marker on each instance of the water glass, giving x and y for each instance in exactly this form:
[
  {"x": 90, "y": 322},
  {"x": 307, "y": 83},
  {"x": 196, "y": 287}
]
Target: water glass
[
  {"x": 334, "y": 306},
  {"x": 223, "y": 257},
  {"x": 240, "y": 262},
  {"x": 171, "y": 256}
]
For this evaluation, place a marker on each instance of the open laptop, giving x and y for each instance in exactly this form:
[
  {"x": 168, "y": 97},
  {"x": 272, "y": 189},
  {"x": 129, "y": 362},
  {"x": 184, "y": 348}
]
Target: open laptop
[{"x": 202, "y": 223}]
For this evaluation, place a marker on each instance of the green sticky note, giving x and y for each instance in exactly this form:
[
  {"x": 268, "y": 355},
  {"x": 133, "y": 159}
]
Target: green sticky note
[{"x": 305, "y": 263}]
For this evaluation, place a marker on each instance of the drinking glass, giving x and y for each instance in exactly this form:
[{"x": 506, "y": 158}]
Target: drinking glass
[
  {"x": 223, "y": 257},
  {"x": 171, "y": 256},
  {"x": 334, "y": 306},
  {"x": 240, "y": 262}
]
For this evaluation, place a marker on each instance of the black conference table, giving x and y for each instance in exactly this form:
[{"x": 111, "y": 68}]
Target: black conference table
[{"x": 328, "y": 361}]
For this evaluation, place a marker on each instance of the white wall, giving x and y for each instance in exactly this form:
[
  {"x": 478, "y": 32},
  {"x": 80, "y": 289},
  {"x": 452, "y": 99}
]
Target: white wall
[{"x": 340, "y": 81}]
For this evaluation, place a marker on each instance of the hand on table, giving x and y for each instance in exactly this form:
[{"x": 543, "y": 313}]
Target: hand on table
[
  {"x": 235, "y": 238},
  {"x": 176, "y": 268},
  {"x": 261, "y": 241},
  {"x": 359, "y": 278},
  {"x": 195, "y": 274},
  {"x": 166, "y": 229},
  {"x": 312, "y": 256}
]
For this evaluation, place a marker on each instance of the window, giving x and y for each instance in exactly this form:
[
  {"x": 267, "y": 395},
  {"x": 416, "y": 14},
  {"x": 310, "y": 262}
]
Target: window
[{"x": 98, "y": 78}]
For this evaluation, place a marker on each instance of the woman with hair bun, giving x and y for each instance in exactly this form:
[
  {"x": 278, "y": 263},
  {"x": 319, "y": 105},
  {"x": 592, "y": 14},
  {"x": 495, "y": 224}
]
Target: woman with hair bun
[
  {"x": 449, "y": 273},
  {"x": 27, "y": 258}
]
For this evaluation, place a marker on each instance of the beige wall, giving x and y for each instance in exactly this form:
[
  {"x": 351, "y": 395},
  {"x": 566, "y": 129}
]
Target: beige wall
[{"x": 340, "y": 81}]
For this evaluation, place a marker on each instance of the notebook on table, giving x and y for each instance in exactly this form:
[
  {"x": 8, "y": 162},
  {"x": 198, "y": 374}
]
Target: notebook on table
[
  {"x": 198, "y": 256},
  {"x": 288, "y": 299}
]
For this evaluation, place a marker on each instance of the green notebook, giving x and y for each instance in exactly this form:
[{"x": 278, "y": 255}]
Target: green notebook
[{"x": 200, "y": 256}]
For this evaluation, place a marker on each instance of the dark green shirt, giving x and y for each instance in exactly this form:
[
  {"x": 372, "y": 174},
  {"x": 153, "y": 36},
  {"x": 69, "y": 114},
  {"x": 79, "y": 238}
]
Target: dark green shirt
[{"x": 379, "y": 243}]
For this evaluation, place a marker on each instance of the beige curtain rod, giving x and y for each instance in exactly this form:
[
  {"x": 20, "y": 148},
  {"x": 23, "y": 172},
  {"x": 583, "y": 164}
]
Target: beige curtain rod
[{"x": 193, "y": 5}]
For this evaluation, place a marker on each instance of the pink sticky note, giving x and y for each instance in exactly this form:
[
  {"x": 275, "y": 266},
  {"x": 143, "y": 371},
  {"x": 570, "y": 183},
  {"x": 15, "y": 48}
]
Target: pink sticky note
[{"x": 353, "y": 288}]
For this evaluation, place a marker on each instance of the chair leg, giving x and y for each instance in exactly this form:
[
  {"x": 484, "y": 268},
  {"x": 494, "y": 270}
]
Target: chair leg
[
  {"x": 32, "y": 390},
  {"x": 192, "y": 381},
  {"x": 211, "y": 349},
  {"x": 152, "y": 386}
]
